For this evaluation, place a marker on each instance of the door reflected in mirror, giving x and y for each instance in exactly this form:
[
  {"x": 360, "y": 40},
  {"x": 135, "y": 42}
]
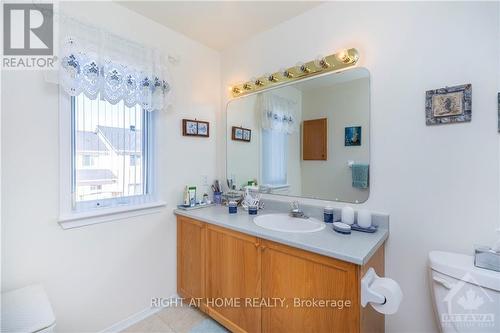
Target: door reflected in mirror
[{"x": 308, "y": 139}]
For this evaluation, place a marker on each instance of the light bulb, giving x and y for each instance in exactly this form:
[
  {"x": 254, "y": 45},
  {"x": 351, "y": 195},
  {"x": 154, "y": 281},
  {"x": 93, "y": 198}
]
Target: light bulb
[
  {"x": 272, "y": 78},
  {"x": 321, "y": 62},
  {"x": 258, "y": 82},
  {"x": 343, "y": 56},
  {"x": 286, "y": 73},
  {"x": 303, "y": 68}
]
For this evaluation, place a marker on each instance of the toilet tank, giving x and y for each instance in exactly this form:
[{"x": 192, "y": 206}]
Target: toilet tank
[
  {"x": 466, "y": 298},
  {"x": 27, "y": 310}
]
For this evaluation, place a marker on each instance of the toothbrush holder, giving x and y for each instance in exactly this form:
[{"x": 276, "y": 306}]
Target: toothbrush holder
[{"x": 218, "y": 198}]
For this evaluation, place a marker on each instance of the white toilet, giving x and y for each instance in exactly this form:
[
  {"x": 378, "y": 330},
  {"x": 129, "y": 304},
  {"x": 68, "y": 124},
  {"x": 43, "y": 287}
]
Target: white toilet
[{"x": 466, "y": 298}]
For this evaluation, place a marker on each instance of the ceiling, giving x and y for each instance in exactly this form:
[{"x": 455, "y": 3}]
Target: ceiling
[{"x": 219, "y": 24}]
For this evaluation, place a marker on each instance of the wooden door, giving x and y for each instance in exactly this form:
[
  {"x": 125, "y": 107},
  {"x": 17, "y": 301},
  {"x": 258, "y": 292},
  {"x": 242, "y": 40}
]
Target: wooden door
[
  {"x": 190, "y": 258},
  {"x": 314, "y": 140},
  {"x": 300, "y": 276},
  {"x": 233, "y": 273}
]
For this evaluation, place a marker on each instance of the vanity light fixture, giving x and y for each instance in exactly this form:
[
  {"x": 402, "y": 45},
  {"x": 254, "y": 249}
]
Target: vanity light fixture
[
  {"x": 343, "y": 56},
  {"x": 259, "y": 82},
  {"x": 272, "y": 78},
  {"x": 288, "y": 74},
  {"x": 321, "y": 62},
  {"x": 303, "y": 68},
  {"x": 334, "y": 62}
]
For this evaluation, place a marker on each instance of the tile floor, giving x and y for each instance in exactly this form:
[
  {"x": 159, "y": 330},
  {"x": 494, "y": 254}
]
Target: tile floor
[{"x": 183, "y": 319}]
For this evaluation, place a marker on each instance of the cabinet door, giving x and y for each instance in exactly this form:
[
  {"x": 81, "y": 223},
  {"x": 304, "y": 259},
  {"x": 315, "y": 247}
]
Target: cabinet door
[
  {"x": 190, "y": 258},
  {"x": 234, "y": 275},
  {"x": 304, "y": 277}
]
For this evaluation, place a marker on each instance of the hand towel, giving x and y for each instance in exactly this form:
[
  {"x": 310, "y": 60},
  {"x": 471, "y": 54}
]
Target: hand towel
[{"x": 360, "y": 175}]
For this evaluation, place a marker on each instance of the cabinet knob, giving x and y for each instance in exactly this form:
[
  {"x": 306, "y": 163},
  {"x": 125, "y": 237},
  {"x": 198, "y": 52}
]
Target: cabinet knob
[{"x": 256, "y": 244}]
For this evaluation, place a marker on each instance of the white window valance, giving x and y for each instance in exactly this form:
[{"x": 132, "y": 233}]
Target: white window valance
[
  {"x": 101, "y": 64},
  {"x": 277, "y": 113}
]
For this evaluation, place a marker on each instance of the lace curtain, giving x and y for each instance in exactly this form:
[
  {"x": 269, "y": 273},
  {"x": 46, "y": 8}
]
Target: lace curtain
[
  {"x": 100, "y": 64},
  {"x": 277, "y": 113}
]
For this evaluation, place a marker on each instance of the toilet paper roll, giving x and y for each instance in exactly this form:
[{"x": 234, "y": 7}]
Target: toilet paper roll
[{"x": 391, "y": 291}]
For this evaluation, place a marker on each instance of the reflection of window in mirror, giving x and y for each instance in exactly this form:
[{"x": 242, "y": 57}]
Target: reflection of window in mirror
[{"x": 274, "y": 157}]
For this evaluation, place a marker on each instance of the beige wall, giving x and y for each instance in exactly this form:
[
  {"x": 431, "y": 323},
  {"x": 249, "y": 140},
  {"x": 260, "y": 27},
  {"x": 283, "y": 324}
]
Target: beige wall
[
  {"x": 439, "y": 184},
  {"x": 344, "y": 104},
  {"x": 98, "y": 275}
]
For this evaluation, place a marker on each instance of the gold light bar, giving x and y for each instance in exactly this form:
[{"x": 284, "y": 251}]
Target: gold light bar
[{"x": 334, "y": 62}]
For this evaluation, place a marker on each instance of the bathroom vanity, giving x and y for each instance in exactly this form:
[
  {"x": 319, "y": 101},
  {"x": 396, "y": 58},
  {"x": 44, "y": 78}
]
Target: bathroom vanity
[{"x": 251, "y": 279}]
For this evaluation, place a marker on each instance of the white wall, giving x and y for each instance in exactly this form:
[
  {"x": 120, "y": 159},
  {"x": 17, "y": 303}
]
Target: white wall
[
  {"x": 439, "y": 184},
  {"x": 344, "y": 105},
  {"x": 244, "y": 164},
  {"x": 96, "y": 276}
]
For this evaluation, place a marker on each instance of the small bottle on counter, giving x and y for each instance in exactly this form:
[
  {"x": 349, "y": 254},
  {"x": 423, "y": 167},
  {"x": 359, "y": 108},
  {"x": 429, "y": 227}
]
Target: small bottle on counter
[
  {"x": 233, "y": 207},
  {"x": 328, "y": 214}
]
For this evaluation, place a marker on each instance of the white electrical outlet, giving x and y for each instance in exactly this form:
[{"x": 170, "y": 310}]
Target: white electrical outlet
[{"x": 204, "y": 180}]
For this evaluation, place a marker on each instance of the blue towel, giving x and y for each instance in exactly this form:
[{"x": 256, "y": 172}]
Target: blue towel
[{"x": 360, "y": 175}]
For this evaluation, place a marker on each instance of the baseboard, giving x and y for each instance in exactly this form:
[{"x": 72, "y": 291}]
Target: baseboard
[{"x": 133, "y": 319}]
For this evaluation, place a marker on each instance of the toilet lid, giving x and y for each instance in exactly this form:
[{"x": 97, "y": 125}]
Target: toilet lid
[
  {"x": 26, "y": 310},
  {"x": 461, "y": 267}
]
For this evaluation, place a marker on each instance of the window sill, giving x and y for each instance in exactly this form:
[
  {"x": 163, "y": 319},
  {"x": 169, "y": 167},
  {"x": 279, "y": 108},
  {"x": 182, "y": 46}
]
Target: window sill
[
  {"x": 276, "y": 187},
  {"x": 76, "y": 220}
]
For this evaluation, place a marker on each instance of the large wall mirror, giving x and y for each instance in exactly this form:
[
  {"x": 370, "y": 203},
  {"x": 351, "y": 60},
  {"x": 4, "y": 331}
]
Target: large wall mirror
[{"x": 309, "y": 139}]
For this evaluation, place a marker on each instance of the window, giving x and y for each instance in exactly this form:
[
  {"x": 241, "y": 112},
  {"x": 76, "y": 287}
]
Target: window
[
  {"x": 134, "y": 160},
  {"x": 115, "y": 141},
  {"x": 87, "y": 160},
  {"x": 274, "y": 157}
]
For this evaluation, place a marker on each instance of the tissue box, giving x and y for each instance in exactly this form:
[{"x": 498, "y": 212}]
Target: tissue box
[{"x": 485, "y": 257}]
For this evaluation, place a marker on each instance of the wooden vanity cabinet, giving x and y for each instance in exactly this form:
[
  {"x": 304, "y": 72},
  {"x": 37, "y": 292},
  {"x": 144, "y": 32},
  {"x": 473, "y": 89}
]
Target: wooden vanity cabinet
[
  {"x": 233, "y": 272},
  {"x": 190, "y": 258},
  {"x": 217, "y": 263},
  {"x": 302, "y": 278}
]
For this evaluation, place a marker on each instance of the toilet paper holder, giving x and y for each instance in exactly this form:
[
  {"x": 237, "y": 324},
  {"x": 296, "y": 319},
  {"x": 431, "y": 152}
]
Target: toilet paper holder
[{"x": 368, "y": 295}]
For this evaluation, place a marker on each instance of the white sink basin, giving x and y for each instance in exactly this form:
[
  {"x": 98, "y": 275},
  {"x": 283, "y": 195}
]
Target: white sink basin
[{"x": 286, "y": 223}]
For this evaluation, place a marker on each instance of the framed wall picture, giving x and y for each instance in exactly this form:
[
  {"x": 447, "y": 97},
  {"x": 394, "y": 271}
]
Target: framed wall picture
[
  {"x": 195, "y": 128},
  {"x": 241, "y": 134},
  {"x": 352, "y": 136},
  {"x": 448, "y": 105}
]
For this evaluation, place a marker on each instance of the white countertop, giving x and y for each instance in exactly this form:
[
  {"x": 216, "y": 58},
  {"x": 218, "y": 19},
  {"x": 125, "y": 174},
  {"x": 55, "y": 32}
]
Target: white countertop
[{"x": 356, "y": 248}]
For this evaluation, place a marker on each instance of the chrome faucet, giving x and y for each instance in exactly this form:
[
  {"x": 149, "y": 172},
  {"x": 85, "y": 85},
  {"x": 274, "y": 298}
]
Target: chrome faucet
[{"x": 295, "y": 211}]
